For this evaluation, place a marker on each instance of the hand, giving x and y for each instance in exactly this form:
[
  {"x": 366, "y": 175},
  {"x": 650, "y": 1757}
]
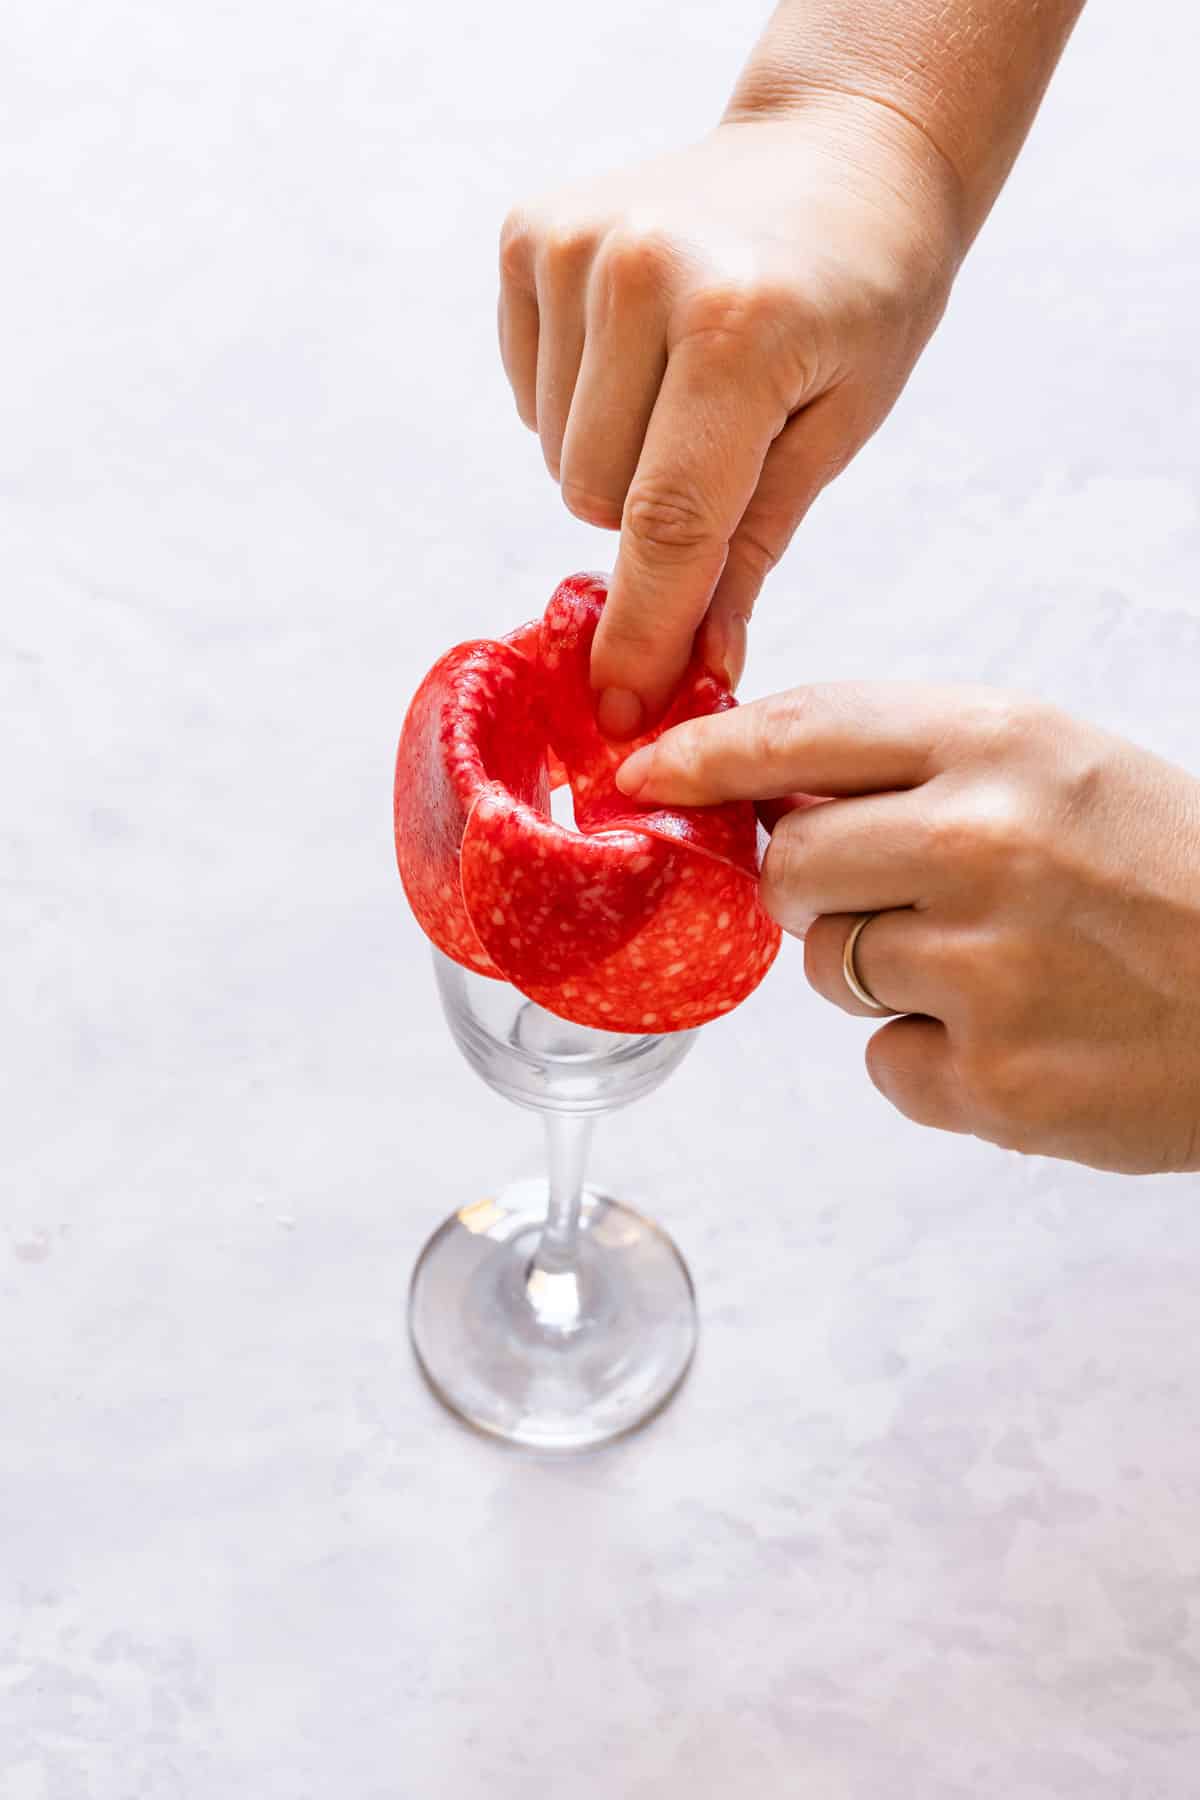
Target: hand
[
  {"x": 1038, "y": 886},
  {"x": 703, "y": 343}
]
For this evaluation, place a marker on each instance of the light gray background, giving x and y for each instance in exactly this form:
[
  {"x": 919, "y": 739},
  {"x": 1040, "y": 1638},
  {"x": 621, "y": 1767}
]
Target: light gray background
[{"x": 925, "y": 1520}]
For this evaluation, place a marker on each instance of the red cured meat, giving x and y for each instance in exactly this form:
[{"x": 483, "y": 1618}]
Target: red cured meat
[
  {"x": 549, "y": 903},
  {"x": 592, "y": 760},
  {"x": 643, "y": 919},
  {"x": 475, "y": 719}
]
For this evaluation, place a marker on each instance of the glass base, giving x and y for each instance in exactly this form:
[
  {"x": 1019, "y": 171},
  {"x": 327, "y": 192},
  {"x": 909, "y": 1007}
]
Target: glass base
[{"x": 552, "y": 1360}]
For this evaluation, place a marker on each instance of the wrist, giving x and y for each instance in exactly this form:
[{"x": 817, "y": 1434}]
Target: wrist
[
  {"x": 878, "y": 149},
  {"x": 788, "y": 75},
  {"x": 963, "y": 76}
]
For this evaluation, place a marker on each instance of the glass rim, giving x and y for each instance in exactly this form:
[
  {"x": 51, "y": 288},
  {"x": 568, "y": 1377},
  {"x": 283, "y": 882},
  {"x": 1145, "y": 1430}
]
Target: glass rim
[{"x": 625, "y": 1045}]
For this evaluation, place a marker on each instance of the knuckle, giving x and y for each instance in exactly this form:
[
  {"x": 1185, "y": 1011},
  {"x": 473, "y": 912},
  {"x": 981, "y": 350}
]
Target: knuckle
[
  {"x": 1083, "y": 781},
  {"x": 683, "y": 752},
  {"x": 997, "y": 978},
  {"x": 516, "y": 236},
  {"x": 820, "y": 949},
  {"x": 778, "y": 719},
  {"x": 1074, "y": 762},
  {"x": 781, "y": 885},
  {"x": 1031, "y": 721},
  {"x": 768, "y": 727},
  {"x": 1006, "y": 1090},
  {"x": 909, "y": 1081},
  {"x": 883, "y": 301},
  {"x": 632, "y": 632},
  {"x": 1003, "y": 724},
  {"x": 759, "y": 323},
  {"x": 592, "y": 508},
  {"x": 958, "y": 960},
  {"x": 988, "y": 834},
  {"x": 757, "y": 549},
  {"x": 564, "y": 251},
  {"x": 885, "y": 1074},
  {"x": 878, "y": 1060},
  {"x": 667, "y": 521},
  {"x": 949, "y": 837},
  {"x": 731, "y": 311},
  {"x": 899, "y": 301},
  {"x": 633, "y": 262}
]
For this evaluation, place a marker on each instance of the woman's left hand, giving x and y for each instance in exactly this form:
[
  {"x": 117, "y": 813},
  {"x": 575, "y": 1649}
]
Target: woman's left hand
[{"x": 1037, "y": 886}]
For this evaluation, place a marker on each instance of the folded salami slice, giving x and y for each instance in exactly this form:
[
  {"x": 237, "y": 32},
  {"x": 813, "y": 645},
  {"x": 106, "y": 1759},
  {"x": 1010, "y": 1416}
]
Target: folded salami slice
[{"x": 644, "y": 918}]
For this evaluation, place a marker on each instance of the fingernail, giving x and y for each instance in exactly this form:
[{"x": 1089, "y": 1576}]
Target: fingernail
[
  {"x": 733, "y": 659},
  {"x": 619, "y": 712},
  {"x": 634, "y": 772},
  {"x": 723, "y": 646}
]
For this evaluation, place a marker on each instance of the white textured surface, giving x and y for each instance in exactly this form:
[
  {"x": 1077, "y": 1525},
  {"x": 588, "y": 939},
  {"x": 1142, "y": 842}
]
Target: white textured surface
[{"x": 925, "y": 1520}]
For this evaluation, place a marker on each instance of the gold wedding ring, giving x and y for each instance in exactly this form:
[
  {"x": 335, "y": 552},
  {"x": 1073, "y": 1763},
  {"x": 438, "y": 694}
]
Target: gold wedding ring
[{"x": 854, "y": 980}]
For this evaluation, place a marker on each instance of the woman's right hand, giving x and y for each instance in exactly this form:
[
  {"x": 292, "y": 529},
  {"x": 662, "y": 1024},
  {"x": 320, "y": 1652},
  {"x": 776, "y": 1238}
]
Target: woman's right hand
[{"x": 704, "y": 342}]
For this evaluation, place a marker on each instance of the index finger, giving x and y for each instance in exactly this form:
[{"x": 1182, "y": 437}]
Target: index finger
[
  {"x": 837, "y": 739},
  {"x": 701, "y": 460}
]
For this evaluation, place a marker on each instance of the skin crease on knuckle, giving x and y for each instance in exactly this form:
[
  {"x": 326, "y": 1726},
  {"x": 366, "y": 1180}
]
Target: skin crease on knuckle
[
  {"x": 591, "y": 509},
  {"x": 516, "y": 259},
  {"x": 663, "y": 522},
  {"x": 1000, "y": 729},
  {"x": 734, "y": 314},
  {"x": 765, "y": 330},
  {"x": 635, "y": 634},
  {"x": 564, "y": 254},
  {"x": 631, "y": 268},
  {"x": 583, "y": 503},
  {"x": 778, "y": 722},
  {"x": 824, "y": 940},
  {"x": 684, "y": 758},
  {"x": 781, "y": 881},
  {"x": 751, "y": 550}
]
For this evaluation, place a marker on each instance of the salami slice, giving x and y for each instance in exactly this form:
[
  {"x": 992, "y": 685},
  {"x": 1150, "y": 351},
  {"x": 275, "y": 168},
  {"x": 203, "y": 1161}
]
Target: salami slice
[
  {"x": 642, "y": 919},
  {"x": 475, "y": 719},
  {"x": 727, "y": 832},
  {"x": 551, "y": 904}
]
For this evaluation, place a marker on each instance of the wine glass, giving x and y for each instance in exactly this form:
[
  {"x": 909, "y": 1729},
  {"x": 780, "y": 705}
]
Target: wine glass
[{"x": 552, "y": 1315}]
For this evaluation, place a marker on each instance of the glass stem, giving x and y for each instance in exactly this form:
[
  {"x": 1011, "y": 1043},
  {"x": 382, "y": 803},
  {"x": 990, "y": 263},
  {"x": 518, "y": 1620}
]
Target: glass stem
[
  {"x": 568, "y": 1139},
  {"x": 551, "y": 1285}
]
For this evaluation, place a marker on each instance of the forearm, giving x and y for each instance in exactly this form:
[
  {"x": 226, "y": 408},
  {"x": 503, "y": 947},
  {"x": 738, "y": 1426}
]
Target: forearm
[{"x": 967, "y": 74}]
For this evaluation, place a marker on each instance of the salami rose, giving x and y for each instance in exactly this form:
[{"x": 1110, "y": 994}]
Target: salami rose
[{"x": 644, "y": 918}]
